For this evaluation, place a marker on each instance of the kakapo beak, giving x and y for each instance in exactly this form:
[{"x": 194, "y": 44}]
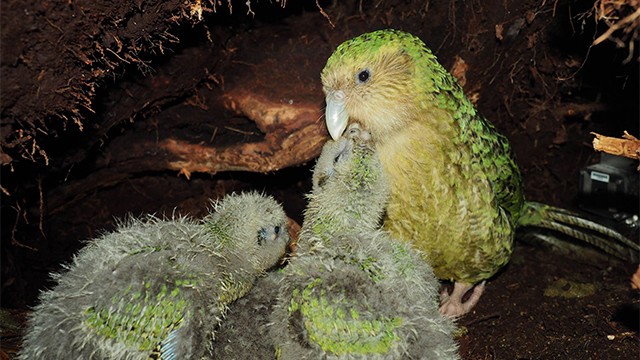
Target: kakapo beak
[{"x": 335, "y": 114}]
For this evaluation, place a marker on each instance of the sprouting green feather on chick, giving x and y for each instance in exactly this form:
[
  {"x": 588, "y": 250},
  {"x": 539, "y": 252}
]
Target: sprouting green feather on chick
[
  {"x": 456, "y": 191},
  {"x": 157, "y": 288},
  {"x": 350, "y": 291}
]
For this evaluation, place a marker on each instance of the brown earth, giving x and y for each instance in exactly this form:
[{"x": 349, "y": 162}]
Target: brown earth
[{"x": 140, "y": 107}]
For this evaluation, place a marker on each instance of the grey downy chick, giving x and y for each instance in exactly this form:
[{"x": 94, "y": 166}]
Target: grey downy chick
[
  {"x": 157, "y": 288},
  {"x": 352, "y": 292}
]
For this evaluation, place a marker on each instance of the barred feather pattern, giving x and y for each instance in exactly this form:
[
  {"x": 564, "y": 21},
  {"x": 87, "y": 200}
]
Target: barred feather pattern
[{"x": 576, "y": 226}]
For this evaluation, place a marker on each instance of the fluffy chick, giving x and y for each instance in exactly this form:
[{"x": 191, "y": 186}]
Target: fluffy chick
[
  {"x": 352, "y": 291},
  {"x": 157, "y": 288}
]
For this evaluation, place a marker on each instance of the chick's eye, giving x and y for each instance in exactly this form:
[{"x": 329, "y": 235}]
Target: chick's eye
[
  {"x": 276, "y": 230},
  {"x": 363, "y": 76}
]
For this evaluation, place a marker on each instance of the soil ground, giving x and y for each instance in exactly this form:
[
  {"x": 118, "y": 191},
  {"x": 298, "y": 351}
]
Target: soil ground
[{"x": 540, "y": 84}]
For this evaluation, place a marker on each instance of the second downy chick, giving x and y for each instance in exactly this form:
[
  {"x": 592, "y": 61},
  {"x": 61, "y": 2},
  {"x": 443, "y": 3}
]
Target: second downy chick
[{"x": 157, "y": 288}]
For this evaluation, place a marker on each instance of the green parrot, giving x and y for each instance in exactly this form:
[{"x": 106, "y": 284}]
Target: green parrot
[
  {"x": 157, "y": 288},
  {"x": 456, "y": 191}
]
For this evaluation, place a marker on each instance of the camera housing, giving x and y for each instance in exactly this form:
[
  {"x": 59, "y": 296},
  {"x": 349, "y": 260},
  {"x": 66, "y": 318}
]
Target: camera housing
[{"x": 611, "y": 187}]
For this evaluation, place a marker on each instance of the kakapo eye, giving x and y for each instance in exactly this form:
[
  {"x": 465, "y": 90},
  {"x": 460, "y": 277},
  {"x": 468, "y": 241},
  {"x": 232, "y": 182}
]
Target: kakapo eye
[
  {"x": 363, "y": 76},
  {"x": 276, "y": 230}
]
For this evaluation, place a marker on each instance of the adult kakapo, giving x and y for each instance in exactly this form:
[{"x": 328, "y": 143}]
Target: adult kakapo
[
  {"x": 351, "y": 291},
  {"x": 157, "y": 288},
  {"x": 456, "y": 191}
]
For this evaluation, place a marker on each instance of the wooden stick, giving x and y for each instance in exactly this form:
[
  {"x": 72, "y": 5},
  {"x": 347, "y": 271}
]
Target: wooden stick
[{"x": 627, "y": 146}]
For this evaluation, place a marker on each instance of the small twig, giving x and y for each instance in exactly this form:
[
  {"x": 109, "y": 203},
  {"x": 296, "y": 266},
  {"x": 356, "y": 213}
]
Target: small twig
[
  {"x": 185, "y": 172},
  {"x": 555, "y": 5},
  {"x": 240, "y": 131},
  {"x": 54, "y": 25},
  {"x": 118, "y": 56},
  {"x": 40, "y": 220},
  {"x": 243, "y": 63},
  {"x": 483, "y": 319},
  {"x": 324, "y": 14},
  {"x": 68, "y": 172},
  {"x": 215, "y": 131},
  {"x": 15, "y": 227}
]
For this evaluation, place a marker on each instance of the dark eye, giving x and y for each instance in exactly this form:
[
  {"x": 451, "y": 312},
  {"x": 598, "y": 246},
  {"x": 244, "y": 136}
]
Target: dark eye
[
  {"x": 363, "y": 76},
  {"x": 276, "y": 230}
]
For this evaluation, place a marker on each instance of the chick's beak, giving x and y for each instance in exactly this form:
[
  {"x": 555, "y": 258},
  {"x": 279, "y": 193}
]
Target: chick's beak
[{"x": 336, "y": 115}]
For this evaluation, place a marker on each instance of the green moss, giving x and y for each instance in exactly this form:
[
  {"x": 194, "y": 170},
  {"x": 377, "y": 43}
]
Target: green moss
[{"x": 569, "y": 289}]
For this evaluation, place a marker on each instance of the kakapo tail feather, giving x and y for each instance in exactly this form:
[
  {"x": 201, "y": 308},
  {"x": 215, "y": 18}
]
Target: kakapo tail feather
[{"x": 574, "y": 225}]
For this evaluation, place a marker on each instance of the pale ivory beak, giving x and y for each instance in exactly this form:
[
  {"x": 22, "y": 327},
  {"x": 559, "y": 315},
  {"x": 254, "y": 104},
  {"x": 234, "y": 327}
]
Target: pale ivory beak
[{"x": 336, "y": 115}]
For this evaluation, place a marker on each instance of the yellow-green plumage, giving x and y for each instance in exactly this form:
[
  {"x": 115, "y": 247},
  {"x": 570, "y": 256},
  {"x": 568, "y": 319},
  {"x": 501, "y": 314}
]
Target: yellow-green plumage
[{"x": 456, "y": 191}]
